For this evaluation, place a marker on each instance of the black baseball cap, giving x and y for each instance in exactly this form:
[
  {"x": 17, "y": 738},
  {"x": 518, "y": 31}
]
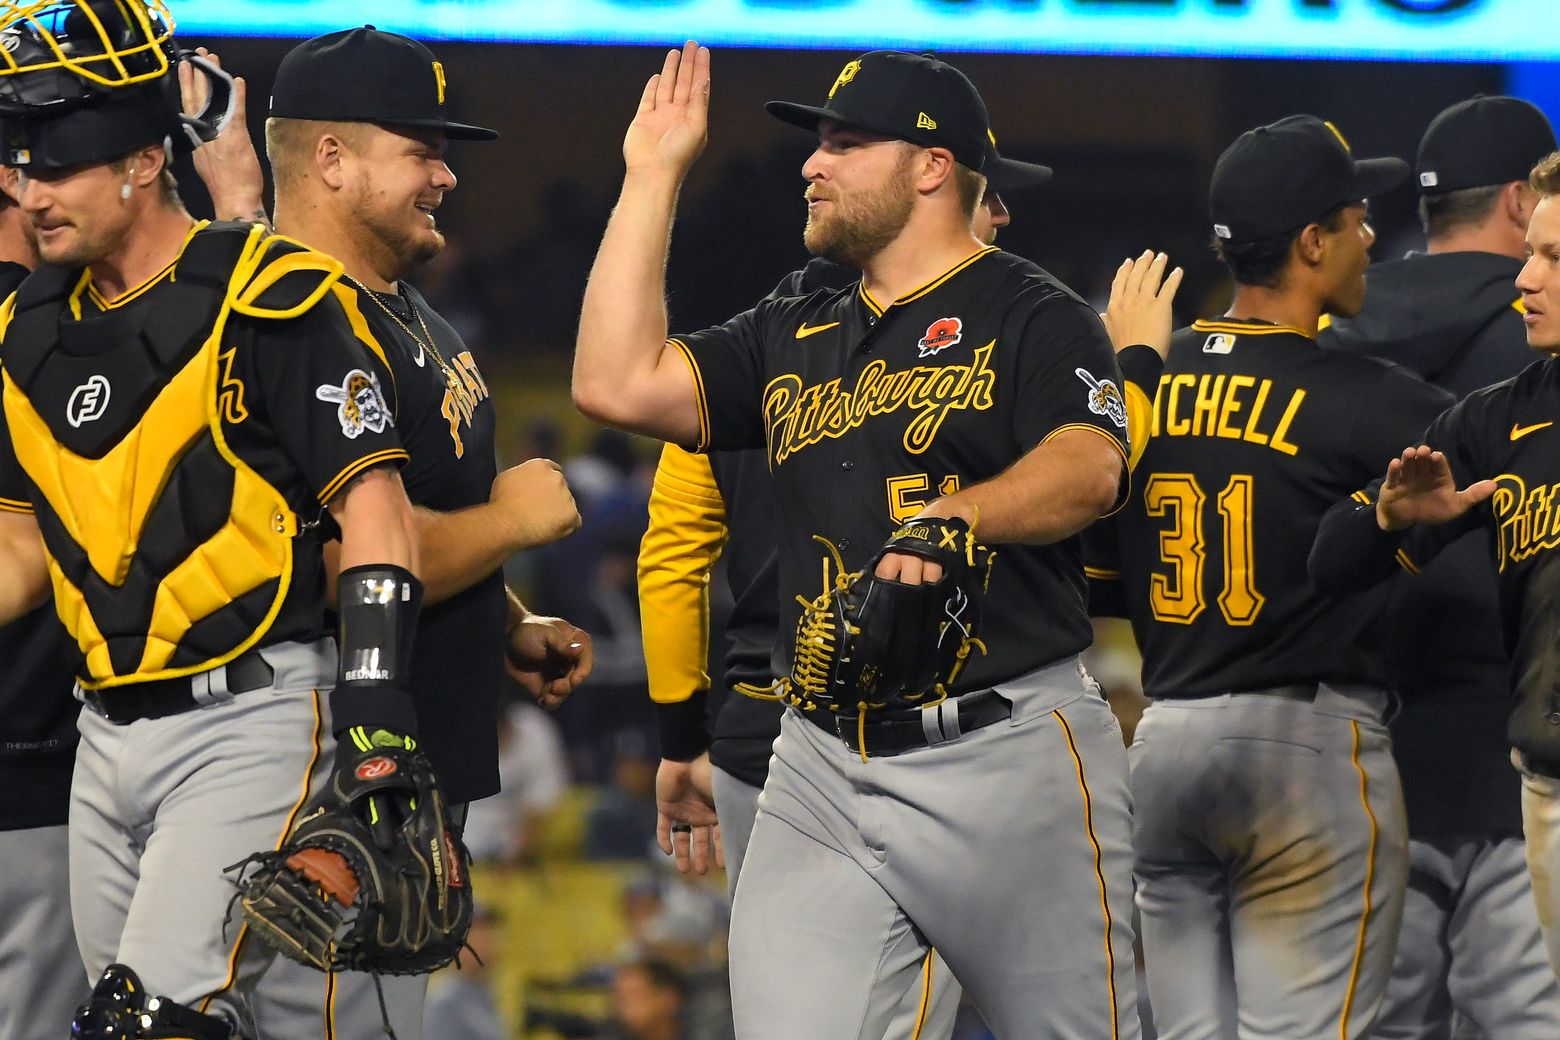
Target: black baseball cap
[
  {"x": 913, "y": 97},
  {"x": 367, "y": 76},
  {"x": 1004, "y": 174},
  {"x": 1282, "y": 176},
  {"x": 1480, "y": 142}
]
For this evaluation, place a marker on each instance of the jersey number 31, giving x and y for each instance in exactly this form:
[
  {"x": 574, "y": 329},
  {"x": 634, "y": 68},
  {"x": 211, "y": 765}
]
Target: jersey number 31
[{"x": 1178, "y": 597}]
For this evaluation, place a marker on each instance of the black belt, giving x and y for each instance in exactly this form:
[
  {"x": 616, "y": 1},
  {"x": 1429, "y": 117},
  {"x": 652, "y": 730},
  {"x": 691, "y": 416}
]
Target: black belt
[
  {"x": 158, "y": 698},
  {"x": 894, "y": 732}
]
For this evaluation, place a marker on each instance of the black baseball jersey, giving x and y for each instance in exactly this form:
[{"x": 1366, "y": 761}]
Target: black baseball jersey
[
  {"x": 37, "y": 712},
  {"x": 299, "y": 414},
  {"x": 445, "y": 416},
  {"x": 1508, "y": 433},
  {"x": 1454, "y": 319},
  {"x": 1255, "y": 434},
  {"x": 868, "y": 411}
]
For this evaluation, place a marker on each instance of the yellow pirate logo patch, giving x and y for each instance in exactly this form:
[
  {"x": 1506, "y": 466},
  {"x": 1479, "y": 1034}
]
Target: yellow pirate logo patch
[
  {"x": 847, "y": 74},
  {"x": 359, "y": 404},
  {"x": 1104, "y": 398}
]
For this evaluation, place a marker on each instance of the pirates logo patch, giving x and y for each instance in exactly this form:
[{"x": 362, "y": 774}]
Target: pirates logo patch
[
  {"x": 940, "y": 334},
  {"x": 1104, "y": 398},
  {"x": 359, "y": 404}
]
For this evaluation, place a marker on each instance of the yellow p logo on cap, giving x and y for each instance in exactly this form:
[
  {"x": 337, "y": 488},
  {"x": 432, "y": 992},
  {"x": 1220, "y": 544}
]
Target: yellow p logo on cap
[
  {"x": 438, "y": 79},
  {"x": 847, "y": 74}
]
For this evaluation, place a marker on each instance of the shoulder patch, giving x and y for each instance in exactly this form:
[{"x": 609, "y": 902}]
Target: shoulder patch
[
  {"x": 1104, "y": 397},
  {"x": 359, "y": 403}
]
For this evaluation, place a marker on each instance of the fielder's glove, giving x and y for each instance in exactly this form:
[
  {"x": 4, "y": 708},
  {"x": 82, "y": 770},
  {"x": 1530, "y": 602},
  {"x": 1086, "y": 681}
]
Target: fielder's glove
[
  {"x": 869, "y": 643},
  {"x": 373, "y": 877}
]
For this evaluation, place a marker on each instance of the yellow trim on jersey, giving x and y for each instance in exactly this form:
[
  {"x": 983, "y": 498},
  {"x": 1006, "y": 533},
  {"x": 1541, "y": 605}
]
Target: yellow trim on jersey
[
  {"x": 686, "y": 535},
  {"x": 916, "y": 294},
  {"x": 1099, "y": 873},
  {"x": 103, "y": 303},
  {"x": 1361, "y": 497},
  {"x": 698, "y": 390},
  {"x": 352, "y": 469},
  {"x": 1242, "y": 329},
  {"x": 347, "y": 296},
  {"x": 1406, "y": 562},
  {"x": 926, "y": 996},
  {"x": 11, "y": 505},
  {"x": 303, "y": 798},
  {"x": 1101, "y": 573},
  {"x": 1140, "y": 421},
  {"x": 1370, "y": 877}
]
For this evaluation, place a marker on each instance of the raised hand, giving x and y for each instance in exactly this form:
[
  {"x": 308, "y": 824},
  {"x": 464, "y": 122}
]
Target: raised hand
[
  {"x": 1420, "y": 489},
  {"x": 229, "y": 166},
  {"x": 1140, "y": 298},
  {"x": 672, "y": 124}
]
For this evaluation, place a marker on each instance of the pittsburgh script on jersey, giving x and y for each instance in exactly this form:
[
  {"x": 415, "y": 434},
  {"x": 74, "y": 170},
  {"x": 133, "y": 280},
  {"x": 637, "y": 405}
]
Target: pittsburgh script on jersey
[
  {"x": 1527, "y": 522},
  {"x": 1229, "y": 406},
  {"x": 797, "y": 416}
]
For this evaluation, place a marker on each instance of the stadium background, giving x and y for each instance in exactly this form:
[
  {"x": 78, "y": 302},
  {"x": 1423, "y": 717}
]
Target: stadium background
[{"x": 593, "y": 933}]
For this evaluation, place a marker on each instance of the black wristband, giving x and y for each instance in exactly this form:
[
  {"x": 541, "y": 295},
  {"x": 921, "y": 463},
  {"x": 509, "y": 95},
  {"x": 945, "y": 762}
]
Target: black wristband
[
  {"x": 377, "y": 607},
  {"x": 684, "y": 736}
]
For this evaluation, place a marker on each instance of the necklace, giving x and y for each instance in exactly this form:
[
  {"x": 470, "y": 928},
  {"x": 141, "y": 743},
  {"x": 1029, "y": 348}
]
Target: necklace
[{"x": 425, "y": 341}]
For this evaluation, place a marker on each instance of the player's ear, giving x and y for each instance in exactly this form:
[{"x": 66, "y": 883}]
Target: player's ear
[
  {"x": 1311, "y": 244},
  {"x": 329, "y": 153},
  {"x": 934, "y": 169},
  {"x": 1516, "y": 202}
]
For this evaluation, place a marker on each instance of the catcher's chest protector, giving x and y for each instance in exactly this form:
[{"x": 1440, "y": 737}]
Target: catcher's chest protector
[{"x": 168, "y": 553}]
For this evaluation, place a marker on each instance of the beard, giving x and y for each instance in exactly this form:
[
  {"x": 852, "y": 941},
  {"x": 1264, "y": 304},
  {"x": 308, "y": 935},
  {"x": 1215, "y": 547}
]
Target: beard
[
  {"x": 860, "y": 226},
  {"x": 396, "y": 237}
]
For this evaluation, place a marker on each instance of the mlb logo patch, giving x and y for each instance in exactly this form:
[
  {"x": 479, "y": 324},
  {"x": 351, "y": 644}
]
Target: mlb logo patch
[
  {"x": 941, "y": 334},
  {"x": 1218, "y": 343}
]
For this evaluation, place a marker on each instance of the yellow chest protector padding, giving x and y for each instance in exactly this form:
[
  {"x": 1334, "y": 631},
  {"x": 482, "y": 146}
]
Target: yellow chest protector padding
[{"x": 168, "y": 553}]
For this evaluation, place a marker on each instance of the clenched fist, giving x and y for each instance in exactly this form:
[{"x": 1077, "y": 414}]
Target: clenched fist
[{"x": 534, "y": 501}]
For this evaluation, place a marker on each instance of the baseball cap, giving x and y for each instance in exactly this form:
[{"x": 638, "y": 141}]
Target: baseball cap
[
  {"x": 367, "y": 76},
  {"x": 1284, "y": 175},
  {"x": 1482, "y": 141},
  {"x": 1004, "y": 174},
  {"x": 913, "y": 97}
]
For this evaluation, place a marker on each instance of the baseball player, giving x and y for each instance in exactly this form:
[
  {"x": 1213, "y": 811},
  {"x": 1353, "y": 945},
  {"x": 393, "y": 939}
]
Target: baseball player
[
  {"x": 952, "y": 380},
  {"x": 359, "y": 115},
  {"x": 1497, "y": 445},
  {"x": 1271, "y": 847},
  {"x": 1470, "y": 943},
  {"x": 40, "y": 970},
  {"x": 186, "y": 403},
  {"x": 702, "y": 506}
]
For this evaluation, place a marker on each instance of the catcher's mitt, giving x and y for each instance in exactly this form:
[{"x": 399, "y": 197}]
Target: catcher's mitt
[
  {"x": 869, "y": 643},
  {"x": 352, "y": 889}
]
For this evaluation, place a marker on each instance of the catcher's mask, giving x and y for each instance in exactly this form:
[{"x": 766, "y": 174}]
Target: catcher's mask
[{"x": 85, "y": 81}]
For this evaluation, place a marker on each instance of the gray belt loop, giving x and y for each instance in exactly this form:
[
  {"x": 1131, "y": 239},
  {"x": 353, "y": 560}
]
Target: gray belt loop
[
  {"x": 210, "y": 687},
  {"x": 930, "y": 726},
  {"x": 940, "y": 722}
]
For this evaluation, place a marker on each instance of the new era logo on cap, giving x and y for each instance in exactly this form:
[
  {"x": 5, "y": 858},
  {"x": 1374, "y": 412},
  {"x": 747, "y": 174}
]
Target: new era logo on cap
[{"x": 925, "y": 122}]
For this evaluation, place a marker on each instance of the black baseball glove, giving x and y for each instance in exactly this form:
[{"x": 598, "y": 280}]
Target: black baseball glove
[
  {"x": 372, "y": 878},
  {"x": 870, "y": 643}
]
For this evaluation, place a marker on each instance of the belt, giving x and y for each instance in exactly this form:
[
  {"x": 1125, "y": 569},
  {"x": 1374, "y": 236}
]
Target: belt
[
  {"x": 1294, "y": 692},
  {"x": 158, "y": 698},
  {"x": 891, "y": 733}
]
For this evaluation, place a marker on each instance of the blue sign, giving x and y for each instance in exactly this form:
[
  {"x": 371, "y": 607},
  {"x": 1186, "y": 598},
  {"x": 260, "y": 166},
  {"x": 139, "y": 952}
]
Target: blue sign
[{"x": 1447, "y": 30}]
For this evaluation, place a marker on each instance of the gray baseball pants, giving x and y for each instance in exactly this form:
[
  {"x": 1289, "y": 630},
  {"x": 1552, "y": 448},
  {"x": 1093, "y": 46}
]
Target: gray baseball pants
[
  {"x": 161, "y": 808},
  {"x": 929, "y": 1011},
  {"x": 40, "y": 971},
  {"x": 1271, "y": 859},
  {"x": 1006, "y": 848},
  {"x": 1470, "y": 959}
]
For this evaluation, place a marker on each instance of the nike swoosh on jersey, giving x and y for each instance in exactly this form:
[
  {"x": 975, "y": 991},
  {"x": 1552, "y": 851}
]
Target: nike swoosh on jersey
[
  {"x": 1519, "y": 432},
  {"x": 806, "y": 330}
]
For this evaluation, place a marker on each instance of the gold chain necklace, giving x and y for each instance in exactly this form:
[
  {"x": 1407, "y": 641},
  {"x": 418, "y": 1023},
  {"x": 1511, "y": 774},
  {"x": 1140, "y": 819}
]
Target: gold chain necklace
[{"x": 425, "y": 341}]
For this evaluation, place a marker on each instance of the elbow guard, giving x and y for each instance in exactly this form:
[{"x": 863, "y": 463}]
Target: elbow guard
[{"x": 377, "y": 605}]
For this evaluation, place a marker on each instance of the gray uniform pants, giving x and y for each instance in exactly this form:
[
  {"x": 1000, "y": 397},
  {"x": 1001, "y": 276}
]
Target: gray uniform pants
[
  {"x": 1272, "y": 854},
  {"x": 161, "y": 807},
  {"x": 928, "y": 1013},
  {"x": 1470, "y": 959},
  {"x": 1008, "y": 849},
  {"x": 40, "y": 971}
]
